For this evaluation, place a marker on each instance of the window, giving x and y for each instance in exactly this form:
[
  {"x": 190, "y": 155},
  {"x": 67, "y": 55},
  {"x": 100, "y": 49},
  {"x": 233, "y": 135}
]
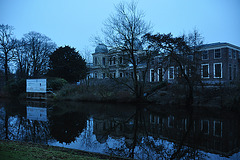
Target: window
[
  {"x": 205, "y": 126},
  {"x": 110, "y": 61},
  {"x": 230, "y": 53},
  {"x": 95, "y": 75},
  {"x": 190, "y": 57},
  {"x": 205, "y": 55},
  {"x": 171, "y": 121},
  {"x": 103, "y": 61},
  {"x": 230, "y": 71},
  {"x": 217, "y": 128},
  {"x": 121, "y": 75},
  {"x": 205, "y": 70},
  {"x": 217, "y": 54},
  {"x": 152, "y": 61},
  {"x": 143, "y": 75},
  {"x": 234, "y": 71},
  {"x": 152, "y": 75},
  {"x": 217, "y": 68},
  {"x": 171, "y": 73},
  {"x": 103, "y": 75},
  {"x": 160, "y": 74},
  {"x": 234, "y": 54},
  {"x": 121, "y": 60},
  {"x": 114, "y": 60},
  {"x": 95, "y": 60}
]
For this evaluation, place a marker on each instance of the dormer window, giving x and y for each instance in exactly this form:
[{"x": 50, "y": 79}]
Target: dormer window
[
  {"x": 217, "y": 54},
  {"x": 205, "y": 55},
  {"x": 230, "y": 54}
]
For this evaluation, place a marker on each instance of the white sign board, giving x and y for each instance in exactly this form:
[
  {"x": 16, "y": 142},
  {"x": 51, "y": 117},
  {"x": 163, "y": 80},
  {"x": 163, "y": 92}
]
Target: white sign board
[
  {"x": 36, "y": 85},
  {"x": 37, "y": 113}
]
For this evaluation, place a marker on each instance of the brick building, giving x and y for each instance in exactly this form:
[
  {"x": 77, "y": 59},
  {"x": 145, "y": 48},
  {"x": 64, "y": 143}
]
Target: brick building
[{"x": 215, "y": 63}]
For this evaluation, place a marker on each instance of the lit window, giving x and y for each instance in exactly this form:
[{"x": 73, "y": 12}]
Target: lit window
[
  {"x": 217, "y": 67},
  {"x": 205, "y": 70},
  {"x": 217, "y": 54},
  {"x": 205, "y": 55},
  {"x": 171, "y": 73}
]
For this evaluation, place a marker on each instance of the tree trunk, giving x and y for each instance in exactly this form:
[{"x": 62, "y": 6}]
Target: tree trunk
[{"x": 6, "y": 68}]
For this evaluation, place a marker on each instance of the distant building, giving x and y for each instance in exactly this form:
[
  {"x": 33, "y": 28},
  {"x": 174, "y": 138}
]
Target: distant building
[
  {"x": 216, "y": 63},
  {"x": 220, "y": 62}
]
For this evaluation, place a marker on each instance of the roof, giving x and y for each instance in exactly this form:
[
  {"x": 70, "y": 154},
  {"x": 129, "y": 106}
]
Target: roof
[{"x": 218, "y": 45}]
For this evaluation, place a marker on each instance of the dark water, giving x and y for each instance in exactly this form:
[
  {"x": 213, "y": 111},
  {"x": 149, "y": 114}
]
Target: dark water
[{"x": 136, "y": 131}]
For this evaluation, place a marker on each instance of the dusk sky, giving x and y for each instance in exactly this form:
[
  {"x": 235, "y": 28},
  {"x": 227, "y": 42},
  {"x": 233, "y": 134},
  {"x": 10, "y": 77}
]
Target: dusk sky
[{"x": 74, "y": 22}]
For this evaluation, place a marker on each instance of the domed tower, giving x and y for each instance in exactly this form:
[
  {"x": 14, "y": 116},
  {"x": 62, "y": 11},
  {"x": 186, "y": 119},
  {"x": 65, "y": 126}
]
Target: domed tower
[
  {"x": 101, "y": 48},
  {"x": 100, "y": 60}
]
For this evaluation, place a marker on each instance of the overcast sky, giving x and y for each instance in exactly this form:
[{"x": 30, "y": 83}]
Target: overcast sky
[{"x": 74, "y": 22}]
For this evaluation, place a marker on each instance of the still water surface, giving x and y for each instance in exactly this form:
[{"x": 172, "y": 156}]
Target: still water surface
[{"x": 140, "y": 132}]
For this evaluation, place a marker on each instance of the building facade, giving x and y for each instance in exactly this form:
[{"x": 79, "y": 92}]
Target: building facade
[{"x": 215, "y": 63}]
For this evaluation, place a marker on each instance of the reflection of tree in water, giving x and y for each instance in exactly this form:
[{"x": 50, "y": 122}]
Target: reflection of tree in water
[
  {"x": 19, "y": 128},
  {"x": 66, "y": 127}
]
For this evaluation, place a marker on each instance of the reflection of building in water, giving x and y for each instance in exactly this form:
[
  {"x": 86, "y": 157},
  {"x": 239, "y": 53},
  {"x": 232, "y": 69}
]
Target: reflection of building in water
[
  {"x": 113, "y": 126},
  {"x": 213, "y": 134},
  {"x": 36, "y": 110},
  {"x": 219, "y": 134}
]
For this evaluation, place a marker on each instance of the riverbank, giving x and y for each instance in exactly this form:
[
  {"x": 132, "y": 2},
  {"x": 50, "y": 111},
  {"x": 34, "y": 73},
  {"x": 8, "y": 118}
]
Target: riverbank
[
  {"x": 10, "y": 150},
  {"x": 219, "y": 96},
  {"x": 111, "y": 91}
]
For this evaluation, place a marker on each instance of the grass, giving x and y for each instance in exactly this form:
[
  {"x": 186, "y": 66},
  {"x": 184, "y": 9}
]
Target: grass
[{"x": 10, "y": 150}]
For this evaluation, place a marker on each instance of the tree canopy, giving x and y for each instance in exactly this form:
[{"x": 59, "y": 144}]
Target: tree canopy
[
  {"x": 7, "y": 44},
  {"x": 123, "y": 31},
  {"x": 66, "y": 62}
]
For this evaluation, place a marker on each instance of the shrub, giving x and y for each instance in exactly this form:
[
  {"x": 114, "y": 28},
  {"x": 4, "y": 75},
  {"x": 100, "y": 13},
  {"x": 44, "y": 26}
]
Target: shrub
[
  {"x": 56, "y": 83},
  {"x": 15, "y": 88}
]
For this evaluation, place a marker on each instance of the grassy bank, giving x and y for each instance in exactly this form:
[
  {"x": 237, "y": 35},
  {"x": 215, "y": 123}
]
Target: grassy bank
[
  {"x": 10, "y": 150},
  {"x": 223, "y": 96}
]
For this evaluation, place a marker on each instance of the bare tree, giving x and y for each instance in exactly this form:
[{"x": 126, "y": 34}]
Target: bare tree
[
  {"x": 123, "y": 31},
  {"x": 20, "y": 59},
  {"x": 7, "y": 45},
  {"x": 37, "y": 48}
]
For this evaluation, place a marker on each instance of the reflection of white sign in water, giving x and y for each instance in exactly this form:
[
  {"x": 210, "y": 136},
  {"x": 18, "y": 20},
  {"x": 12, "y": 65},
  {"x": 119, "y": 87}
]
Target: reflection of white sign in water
[
  {"x": 37, "y": 113},
  {"x": 36, "y": 85}
]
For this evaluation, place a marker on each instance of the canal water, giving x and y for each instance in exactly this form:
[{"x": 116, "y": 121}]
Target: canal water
[{"x": 125, "y": 130}]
